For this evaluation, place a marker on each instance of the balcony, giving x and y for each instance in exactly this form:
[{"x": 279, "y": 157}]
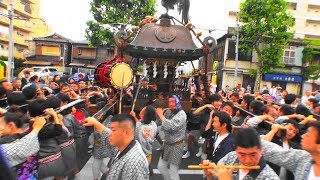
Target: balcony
[
  {"x": 22, "y": 10},
  {"x": 20, "y": 40},
  {"x": 88, "y": 58},
  {"x": 44, "y": 58}
]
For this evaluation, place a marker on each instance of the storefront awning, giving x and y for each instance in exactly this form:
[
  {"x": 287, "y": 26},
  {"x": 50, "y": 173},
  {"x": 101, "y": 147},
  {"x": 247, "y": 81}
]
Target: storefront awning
[
  {"x": 91, "y": 66},
  {"x": 44, "y": 63},
  {"x": 77, "y": 64},
  {"x": 283, "y": 78}
]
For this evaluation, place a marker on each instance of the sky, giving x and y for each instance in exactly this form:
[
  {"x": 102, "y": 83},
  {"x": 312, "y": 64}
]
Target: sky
[{"x": 68, "y": 17}]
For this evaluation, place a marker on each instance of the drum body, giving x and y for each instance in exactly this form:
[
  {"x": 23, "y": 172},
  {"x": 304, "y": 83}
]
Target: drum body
[
  {"x": 113, "y": 73},
  {"x": 102, "y": 72}
]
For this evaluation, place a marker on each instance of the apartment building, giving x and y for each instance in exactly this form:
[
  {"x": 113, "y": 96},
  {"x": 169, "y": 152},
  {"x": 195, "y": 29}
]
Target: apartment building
[
  {"x": 306, "y": 14},
  {"x": 27, "y": 24},
  {"x": 307, "y": 17}
]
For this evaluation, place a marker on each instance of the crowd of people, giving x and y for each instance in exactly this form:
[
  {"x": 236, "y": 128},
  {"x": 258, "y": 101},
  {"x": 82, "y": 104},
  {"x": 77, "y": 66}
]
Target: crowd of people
[{"x": 276, "y": 130}]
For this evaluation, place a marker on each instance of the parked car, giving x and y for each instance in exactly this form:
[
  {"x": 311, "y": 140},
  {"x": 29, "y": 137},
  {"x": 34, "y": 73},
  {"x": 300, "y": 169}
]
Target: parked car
[{"x": 42, "y": 71}]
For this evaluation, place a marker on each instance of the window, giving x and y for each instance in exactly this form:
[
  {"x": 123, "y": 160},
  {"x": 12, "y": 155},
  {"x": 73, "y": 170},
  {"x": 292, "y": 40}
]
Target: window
[
  {"x": 289, "y": 55},
  {"x": 242, "y": 56},
  {"x": 19, "y": 49},
  {"x": 52, "y": 69}
]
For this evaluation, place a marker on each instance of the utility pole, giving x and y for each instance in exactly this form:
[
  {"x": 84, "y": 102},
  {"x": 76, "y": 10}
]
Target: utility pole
[
  {"x": 10, "y": 55},
  {"x": 236, "y": 51}
]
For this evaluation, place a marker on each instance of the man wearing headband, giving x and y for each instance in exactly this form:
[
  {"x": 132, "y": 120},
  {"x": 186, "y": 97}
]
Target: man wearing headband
[{"x": 174, "y": 128}]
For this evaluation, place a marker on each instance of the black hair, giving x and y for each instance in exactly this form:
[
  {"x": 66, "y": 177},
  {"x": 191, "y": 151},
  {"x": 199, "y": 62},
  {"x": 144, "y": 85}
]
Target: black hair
[
  {"x": 290, "y": 98},
  {"x": 303, "y": 110},
  {"x": 14, "y": 118},
  {"x": 235, "y": 94},
  {"x": 64, "y": 85},
  {"x": 123, "y": 118},
  {"x": 314, "y": 101},
  {"x": 29, "y": 92},
  {"x": 63, "y": 97},
  {"x": 53, "y": 102},
  {"x": 149, "y": 115},
  {"x": 294, "y": 122},
  {"x": 37, "y": 106},
  {"x": 34, "y": 77},
  {"x": 93, "y": 88},
  {"x": 286, "y": 109},
  {"x": 256, "y": 107},
  {"x": 214, "y": 97},
  {"x": 3, "y": 81},
  {"x": 247, "y": 99},
  {"x": 224, "y": 118},
  {"x": 247, "y": 138},
  {"x": 265, "y": 109},
  {"x": 54, "y": 77},
  {"x": 230, "y": 104},
  {"x": 16, "y": 98}
]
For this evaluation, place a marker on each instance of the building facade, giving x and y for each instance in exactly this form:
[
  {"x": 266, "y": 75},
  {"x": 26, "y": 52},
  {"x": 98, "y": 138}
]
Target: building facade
[
  {"x": 53, "y": 50},
  {"x": 306, "y": 14},
  {"x": 307, "y": 18},
  {"x": 67, "y": 55},
  {"x": 223, "y": 66},
  {"x": 85, "y": 58},
  {"x": 27, "y": 24}
]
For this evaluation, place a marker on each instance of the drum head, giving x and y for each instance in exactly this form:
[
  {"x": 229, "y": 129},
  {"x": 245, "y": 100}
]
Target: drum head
[{"x": 121, "y": 75}]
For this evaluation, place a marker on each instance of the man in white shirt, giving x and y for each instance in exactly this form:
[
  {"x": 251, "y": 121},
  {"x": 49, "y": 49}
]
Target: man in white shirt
[{"x": 306, "y": 97}]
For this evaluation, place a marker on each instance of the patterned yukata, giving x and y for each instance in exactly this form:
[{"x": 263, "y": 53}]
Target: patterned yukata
[
  {"x": 264, "y": 173},
  {"x": 299, "y": 162},
  {"x": 151, "y": 131},
  {"x": 174, "y": 128},
  {"x": 130, "y": 164},
  {"x": 101, "y": 152},
  {"x": 18, "y": 151}
]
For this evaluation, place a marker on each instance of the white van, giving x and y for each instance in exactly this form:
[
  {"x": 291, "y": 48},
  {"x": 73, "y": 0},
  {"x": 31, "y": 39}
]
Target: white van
[{"x": 43, "y": 71}]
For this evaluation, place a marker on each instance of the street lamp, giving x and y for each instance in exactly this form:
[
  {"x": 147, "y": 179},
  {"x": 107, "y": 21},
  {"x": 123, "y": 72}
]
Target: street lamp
[
  {"x": 10, "y": 53},
  {"x": 236, "y": 51}
]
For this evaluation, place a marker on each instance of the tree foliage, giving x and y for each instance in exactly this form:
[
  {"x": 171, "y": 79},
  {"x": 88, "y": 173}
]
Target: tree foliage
[
  {"x": 311, "y": 53},
  {"x": 265, "y": 26},
  {"x": 108, "y": 12}
]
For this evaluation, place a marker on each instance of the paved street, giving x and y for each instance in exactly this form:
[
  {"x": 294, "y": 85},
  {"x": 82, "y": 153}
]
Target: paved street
[{"x": 185, "y": 174}]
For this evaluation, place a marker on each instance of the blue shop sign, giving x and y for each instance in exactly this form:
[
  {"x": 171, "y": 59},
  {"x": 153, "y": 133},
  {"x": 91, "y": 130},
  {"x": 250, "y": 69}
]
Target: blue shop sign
[{"x": 283, "y": 78}]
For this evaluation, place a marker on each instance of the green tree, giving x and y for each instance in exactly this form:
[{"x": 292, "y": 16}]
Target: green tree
[
  {"x": 108, "y": 12},
  {"x": 311, "y": 52},
  {"x": 265, "y": 28}
]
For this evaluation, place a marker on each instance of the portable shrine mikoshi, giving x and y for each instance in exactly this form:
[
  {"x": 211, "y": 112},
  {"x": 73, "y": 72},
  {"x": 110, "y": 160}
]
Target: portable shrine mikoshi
[{"x": 159, "y": 48}]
